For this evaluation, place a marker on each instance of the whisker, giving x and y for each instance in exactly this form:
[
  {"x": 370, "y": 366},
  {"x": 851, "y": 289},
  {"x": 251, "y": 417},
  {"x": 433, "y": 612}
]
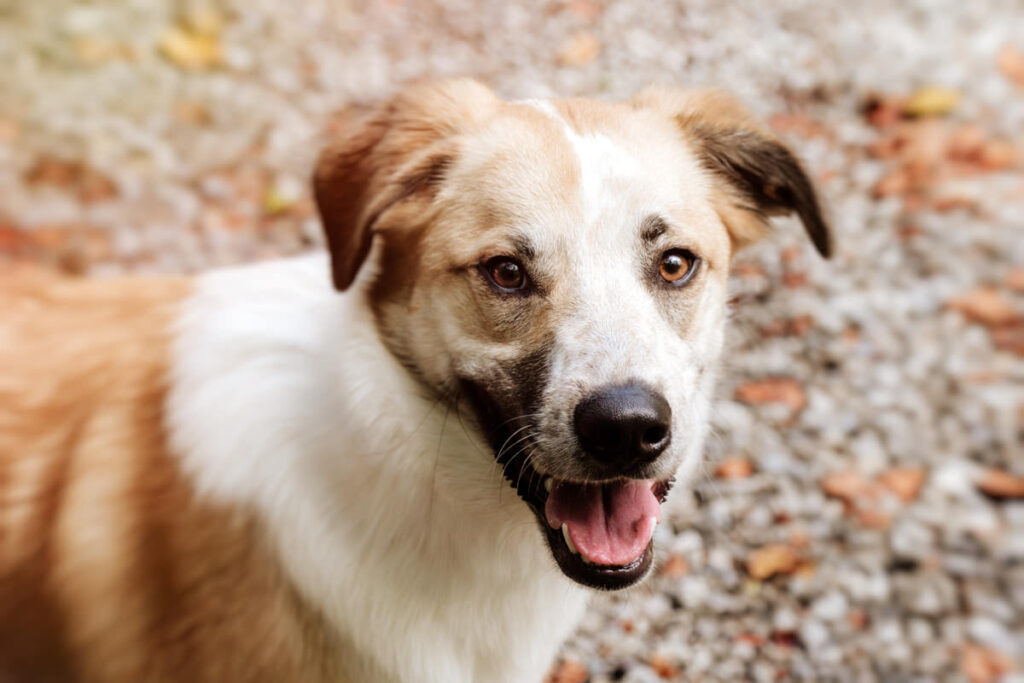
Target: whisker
[{"x": 501, "y": 450}]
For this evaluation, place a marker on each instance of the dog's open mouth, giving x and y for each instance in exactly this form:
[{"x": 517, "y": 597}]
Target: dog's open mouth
[{"x": 600, "y": 533}]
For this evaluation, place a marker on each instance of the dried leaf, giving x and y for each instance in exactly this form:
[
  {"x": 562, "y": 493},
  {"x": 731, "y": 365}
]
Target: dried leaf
[
  {"x": 895, "y": 183},
  {"x": 791, "y": 255},
  {"x": 944, "y": 204},
  {"x": 747, "y": 269},
  {"x": 664, "y": 667},
  {"x": 674, "y": 567},
  {"x": 579, "y": 50},
  {"x": 932, "y": 101},
  {"x": 797, "y": 124},
  {"x": 51, "y": 171},
  {"x": 883, "y": 112},
  {"x": 799, "y": 325},
  {"x": 872, "y": 518},
  {"x": 985, "y": 305},
  {"x": 998, "y": 155},
  {"x": 1001, "y": 484},
  {"x": 12, "y": 239},
  {"x": 9, "y": 130},
  {"x": 1009, "y": 338},
  {"x": 275, "y": 202},
  {"x": 189, "y": 49},
  {"x": 752, "y": 638},
  {"x": 1015, "y": 279},
  {"x": 1011, "y": 62},
  {"x": 567, "y": 671},
  {"x": 192, "y": 113},
  {"x": 773, "y": 390},
  {"x": 983, "y": 665},
  {"x": 794, "y": 280},
  {"x": 89, "y": 184},
  {"x": 798, "y": 539},
  {"x": 905, "y": 482},
  {"x": 847, "y": 485},
  {"x": 770, "y": 560},
  {"x": 735, "y": 467},
  {"x": 587, "y": 10}
]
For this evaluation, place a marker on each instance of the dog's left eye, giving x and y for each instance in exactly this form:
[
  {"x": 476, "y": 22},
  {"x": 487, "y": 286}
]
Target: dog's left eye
[
  {"x": 678, "y": 266},
  {"x": 506, "y": 273}
]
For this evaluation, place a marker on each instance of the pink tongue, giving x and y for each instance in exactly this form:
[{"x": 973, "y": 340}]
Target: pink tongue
[{"x": 610, "y": 524}]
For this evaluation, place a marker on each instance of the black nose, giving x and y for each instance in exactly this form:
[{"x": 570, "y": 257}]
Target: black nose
[{"x": 623, "y": 426}]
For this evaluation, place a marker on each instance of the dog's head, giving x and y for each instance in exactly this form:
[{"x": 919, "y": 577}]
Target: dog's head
[{"x": 558, "y": 270}]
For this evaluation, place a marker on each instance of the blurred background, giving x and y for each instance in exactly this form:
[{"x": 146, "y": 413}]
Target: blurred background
[{"x": 862, "y": 513}]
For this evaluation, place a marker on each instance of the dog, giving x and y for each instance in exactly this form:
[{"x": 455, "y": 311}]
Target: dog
[{"x": 411, "y": 458}]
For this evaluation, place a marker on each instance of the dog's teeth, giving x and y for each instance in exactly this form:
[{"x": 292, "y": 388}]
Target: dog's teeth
[
  {"x": 548, "y": 484},
  {"x": 654, "y": 525},
  {"x": 568, "y": 541}
]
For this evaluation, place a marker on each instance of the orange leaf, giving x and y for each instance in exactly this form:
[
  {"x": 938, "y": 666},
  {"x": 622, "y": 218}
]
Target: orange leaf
[
  {"x": 983, "y": 665},
  {"x": 579, "y": 50},
  {"x": 189, "y": 49},
  {"x": 905, "y": 482},
  {"x": 674, "y": 567},
  {"x": 1001, "y": 484},
  {"x": 664, "y": 667},
  {"x": 770, "y": 560},
  {"x": 1009, "y": 338},
  {"x": 567, "y": 671},
  {"x": 847, "y": 485},
  {"x": 985, "y": 305},
  {"x": 773, "y": 390},
  {"x": 1015, "y": 279},
  {"x": 1011, "y": 62},
  {"x": 735, "y": 467},
  {"x": 872, "y": 518}
]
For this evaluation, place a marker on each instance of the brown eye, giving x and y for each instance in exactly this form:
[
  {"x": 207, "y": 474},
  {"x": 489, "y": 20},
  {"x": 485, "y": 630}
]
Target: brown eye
[
  {"x": 505, "y": 273},
  {"x": 677, "y": 266}
]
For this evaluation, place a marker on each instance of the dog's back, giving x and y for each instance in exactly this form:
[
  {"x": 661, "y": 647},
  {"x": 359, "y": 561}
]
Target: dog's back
[{"x": 110, "y": 569}]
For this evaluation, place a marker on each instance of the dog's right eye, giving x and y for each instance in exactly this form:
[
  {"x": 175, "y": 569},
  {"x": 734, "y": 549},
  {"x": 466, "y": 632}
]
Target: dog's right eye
[{"x": 506, "y": 274}]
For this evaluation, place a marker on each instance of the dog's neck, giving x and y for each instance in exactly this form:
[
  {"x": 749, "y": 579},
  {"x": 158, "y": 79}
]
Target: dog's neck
[{"x": 388, "y": 511}]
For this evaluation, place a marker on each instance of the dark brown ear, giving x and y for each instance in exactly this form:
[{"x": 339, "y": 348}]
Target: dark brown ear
[
  {"x": 387, "y": 154},
  {"x": 760, "y": 176}
]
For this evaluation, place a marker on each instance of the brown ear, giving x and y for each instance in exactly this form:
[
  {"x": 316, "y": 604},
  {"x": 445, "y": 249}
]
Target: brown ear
[
  {"x": 761, "y": 177},
  {"x": 388, "y": 154}
]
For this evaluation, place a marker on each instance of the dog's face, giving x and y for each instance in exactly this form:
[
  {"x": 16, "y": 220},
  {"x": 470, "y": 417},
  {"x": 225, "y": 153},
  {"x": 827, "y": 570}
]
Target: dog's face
[{"x": 558, "y": 271}]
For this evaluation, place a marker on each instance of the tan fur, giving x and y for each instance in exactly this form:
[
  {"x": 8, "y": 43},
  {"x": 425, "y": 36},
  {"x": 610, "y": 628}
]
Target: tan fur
[
  {"x": 110, "y": 568},
  {"x": 719, "y": 111},
  {"x": 386, "y": 155}
]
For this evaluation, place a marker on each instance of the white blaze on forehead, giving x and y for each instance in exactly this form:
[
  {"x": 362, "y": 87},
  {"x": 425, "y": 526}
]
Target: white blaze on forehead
[
  {"x": 612, "y": 328},
  {"x": 614, "y": 333},
  {"x": 599, "y": 159}
]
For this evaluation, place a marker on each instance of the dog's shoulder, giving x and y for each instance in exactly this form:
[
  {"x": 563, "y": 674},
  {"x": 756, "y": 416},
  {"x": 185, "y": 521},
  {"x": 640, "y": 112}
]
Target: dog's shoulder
[
  {"x": 72, "y": 348},
  {"x": 112, "y": 565}
]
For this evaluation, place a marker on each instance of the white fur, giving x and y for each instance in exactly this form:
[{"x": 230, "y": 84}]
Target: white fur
[{"x": 387, "y": 514}]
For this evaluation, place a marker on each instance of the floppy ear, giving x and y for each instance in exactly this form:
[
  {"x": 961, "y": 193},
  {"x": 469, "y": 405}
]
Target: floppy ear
[
  {"x": 759, "y": 176},
  {"x": 394, "y": 152}
]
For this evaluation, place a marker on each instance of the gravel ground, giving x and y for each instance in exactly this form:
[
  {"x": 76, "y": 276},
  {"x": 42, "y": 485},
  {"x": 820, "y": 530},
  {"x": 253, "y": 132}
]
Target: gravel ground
[{"x": 862, "y": 517}]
